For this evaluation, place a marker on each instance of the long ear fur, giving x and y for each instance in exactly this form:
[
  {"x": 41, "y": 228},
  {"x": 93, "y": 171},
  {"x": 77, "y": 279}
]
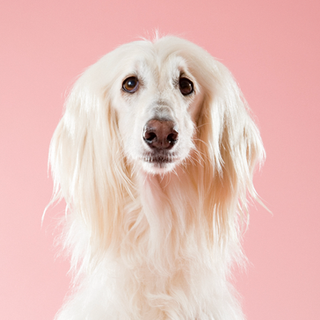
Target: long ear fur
[
  {"x": 88, "y": 166},
  {"x": 231, "y": 147}
]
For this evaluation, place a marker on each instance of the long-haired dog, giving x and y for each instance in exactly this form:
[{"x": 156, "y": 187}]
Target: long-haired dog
[{"x": 154, "y": 157}]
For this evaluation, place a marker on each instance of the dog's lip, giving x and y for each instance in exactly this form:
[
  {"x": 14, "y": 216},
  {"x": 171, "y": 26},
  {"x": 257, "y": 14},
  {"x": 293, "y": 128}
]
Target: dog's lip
[{"x": 159, "y": 158}]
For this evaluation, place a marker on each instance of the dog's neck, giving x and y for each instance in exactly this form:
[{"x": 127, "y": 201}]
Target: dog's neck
[{"x": 166, "y": 223}]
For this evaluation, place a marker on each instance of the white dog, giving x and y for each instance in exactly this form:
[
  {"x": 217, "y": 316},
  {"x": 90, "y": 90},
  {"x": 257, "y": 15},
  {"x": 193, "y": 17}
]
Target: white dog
[{"x": 154, "y": 157}]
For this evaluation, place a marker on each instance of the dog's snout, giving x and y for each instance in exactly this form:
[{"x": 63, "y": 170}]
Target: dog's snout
[{"x": 160, "y": 134}]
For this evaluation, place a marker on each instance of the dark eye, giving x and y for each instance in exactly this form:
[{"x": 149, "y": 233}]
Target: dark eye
[
  {"x": 186, "y": 86},
  {"x": 130, "y": 85}
]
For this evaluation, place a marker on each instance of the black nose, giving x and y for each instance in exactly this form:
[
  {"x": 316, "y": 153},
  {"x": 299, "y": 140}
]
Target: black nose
[{"x": 160, "y": 134}]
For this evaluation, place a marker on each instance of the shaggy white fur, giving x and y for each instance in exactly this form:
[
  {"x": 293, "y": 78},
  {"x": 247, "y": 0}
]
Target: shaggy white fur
[{"x": 154, "y": 157}]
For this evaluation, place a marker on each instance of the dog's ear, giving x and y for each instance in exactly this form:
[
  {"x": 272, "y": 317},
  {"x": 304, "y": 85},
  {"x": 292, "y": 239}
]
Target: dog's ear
[
  {"x": 86, "y": 157},
  {"x": 231, "y": 146}
]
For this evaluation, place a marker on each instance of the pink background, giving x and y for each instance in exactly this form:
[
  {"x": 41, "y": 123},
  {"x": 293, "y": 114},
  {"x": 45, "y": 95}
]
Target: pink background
[{"x": 272, "y": 48}]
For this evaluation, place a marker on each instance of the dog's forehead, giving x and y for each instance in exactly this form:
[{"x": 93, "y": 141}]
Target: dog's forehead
[{"x": 170, "y": 66}]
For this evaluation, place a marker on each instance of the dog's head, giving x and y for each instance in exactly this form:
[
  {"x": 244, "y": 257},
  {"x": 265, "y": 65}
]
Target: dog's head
[
  {"x": 158, "y": 99},
  {"x": 156, "y": 96},
  {"x": 154, "y": 106}
]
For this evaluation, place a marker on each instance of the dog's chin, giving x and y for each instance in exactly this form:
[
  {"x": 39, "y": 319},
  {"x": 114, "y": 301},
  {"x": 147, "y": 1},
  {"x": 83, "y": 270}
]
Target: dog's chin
[{"x": 158, "y": 168}]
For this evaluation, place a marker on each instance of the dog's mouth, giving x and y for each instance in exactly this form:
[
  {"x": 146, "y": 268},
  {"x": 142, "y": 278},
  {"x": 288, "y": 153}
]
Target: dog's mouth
[{"x": 159, "y": 161}]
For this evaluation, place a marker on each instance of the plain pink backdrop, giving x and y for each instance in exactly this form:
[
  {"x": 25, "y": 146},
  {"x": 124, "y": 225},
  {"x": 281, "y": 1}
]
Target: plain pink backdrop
[{"x": 272, "y": 48}]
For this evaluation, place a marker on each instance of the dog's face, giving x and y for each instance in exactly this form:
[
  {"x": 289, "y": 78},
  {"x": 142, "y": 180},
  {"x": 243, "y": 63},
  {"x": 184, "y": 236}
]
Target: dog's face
[{"x": 158, "y": 101}]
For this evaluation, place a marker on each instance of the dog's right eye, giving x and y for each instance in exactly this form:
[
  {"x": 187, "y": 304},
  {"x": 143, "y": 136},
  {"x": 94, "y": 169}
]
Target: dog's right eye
[{"x": 130, "y": 85}]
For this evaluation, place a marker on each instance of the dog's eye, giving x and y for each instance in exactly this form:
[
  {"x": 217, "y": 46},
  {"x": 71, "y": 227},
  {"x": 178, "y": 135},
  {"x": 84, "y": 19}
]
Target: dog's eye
[
  {"x": 186, "y": 86},
  {"x": 130, "y": 85}
]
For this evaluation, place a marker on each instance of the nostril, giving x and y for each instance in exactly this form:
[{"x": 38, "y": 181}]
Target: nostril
[
  {"x": 172, "y": 138},
  {"x": 149, "y": 136}
]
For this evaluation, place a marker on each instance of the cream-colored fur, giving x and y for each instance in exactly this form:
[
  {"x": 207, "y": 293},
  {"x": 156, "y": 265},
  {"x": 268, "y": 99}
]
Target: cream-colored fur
[{"x": 151, "y": 240}]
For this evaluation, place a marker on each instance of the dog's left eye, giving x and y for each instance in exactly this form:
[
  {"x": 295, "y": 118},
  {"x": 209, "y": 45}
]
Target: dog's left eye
[
  {"x": 130, "y": 85},
  {"x": 186, "y": 86}
]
